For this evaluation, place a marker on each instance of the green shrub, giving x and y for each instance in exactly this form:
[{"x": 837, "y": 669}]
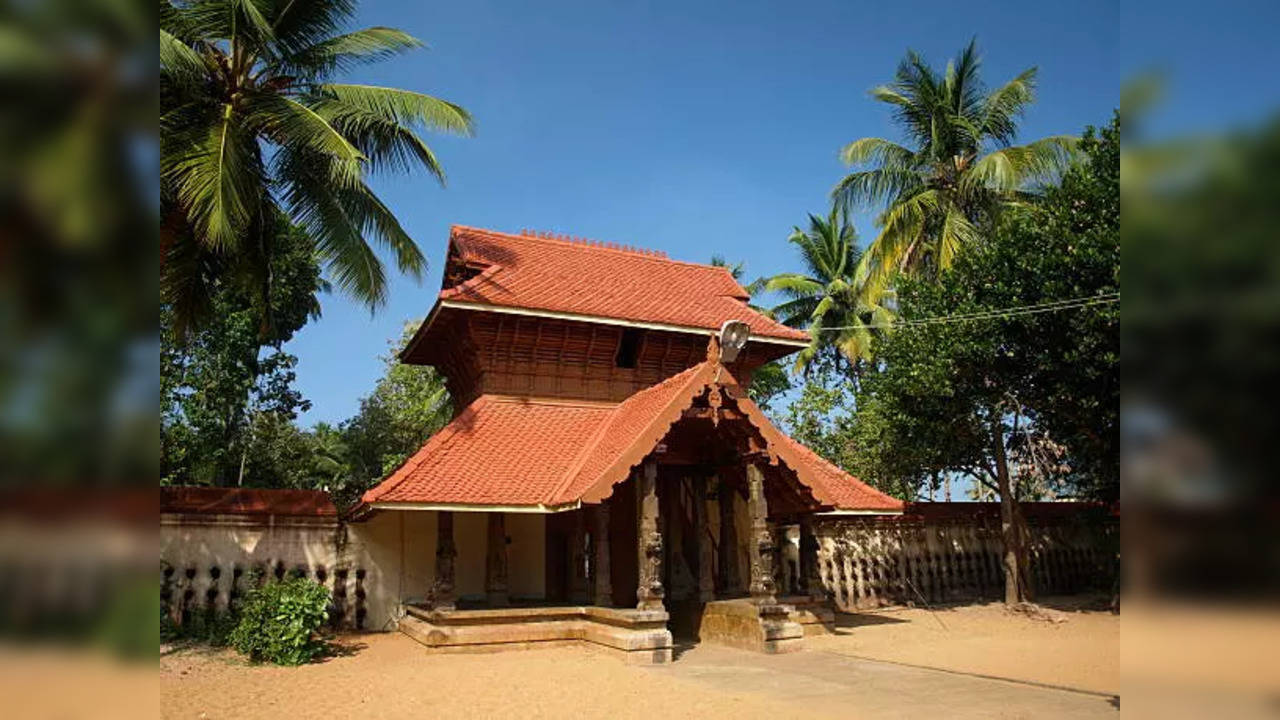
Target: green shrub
[{"x": 278, "y": 622}]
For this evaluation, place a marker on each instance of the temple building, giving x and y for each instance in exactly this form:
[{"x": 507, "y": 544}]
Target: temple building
[{"x": 606, "y": 477}]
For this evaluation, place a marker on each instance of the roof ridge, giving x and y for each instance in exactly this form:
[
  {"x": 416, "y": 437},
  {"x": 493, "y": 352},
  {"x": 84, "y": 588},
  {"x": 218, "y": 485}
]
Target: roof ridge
[
  {"x": 572, "y": 471},
  {"x": 694, "y": 372},
  {"x": 659, "y": 256}
]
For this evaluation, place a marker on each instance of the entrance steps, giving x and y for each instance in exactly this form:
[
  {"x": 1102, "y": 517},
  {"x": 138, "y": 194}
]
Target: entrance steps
[{"x": 637, "y": 636}]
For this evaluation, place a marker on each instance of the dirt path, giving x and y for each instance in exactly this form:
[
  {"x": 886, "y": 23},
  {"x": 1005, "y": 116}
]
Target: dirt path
[
  {"x": 1082, "y": 652},
  {"x": 391, "y": 676}
]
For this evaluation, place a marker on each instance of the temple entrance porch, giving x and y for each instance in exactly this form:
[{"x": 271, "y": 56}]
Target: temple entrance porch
[
  {"x": 677, "y": 552},
  {"x": 708, "y": 528}
]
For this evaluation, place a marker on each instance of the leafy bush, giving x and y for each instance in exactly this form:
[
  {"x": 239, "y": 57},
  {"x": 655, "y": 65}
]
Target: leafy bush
[{"x": 278, "y": 622}]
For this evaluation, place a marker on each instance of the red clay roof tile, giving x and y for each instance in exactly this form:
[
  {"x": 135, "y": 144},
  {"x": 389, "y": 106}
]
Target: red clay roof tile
[
  {"x": 506, "y": 451},
  {"x": 557, "y": 275}
]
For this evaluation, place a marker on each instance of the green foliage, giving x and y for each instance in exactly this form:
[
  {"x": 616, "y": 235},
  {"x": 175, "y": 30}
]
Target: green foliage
[
  {"x": 826, "y": 301},
  {"x": 768, "y": 382},
  {"x": 408, "y": 405},
  {"x": 1036, "y": 394},
  {"x": 957, "y": 171},
  {"x": 226, "y": 387},
  {"x": 251, "y": 123},
  {"x": 278, "y": 622}
]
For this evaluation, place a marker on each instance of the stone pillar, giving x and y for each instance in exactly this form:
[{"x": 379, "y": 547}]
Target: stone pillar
[
  {"x": 495, "y": 575},
  {"x": 442, "y": 590},
  {"x": 578, "y": 558},
  {"x": 760, "y": 550},
  {"x": 729, "y": 578},
  {"x": 648, "y": 540},
  {"x": 603, "y": 580},
  {"x": 706, "y": 583}
]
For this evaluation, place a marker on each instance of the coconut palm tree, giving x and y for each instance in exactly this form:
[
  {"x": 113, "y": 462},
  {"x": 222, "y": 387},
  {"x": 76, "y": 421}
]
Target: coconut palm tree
[
  {"x": 252, "y": 120},
  {"x": 825, "y": 300},
  {"x": 957, "y": 170}
]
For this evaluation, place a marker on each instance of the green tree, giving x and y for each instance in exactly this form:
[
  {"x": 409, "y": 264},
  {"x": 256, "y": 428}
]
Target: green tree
[
  {"x": 824, "y": 300},
  {"x": 1021, "y": 403},
  {"x": 957, "y": 170},
  {"x": 251, "y": 120},
  {"x": 408, "y": 405},
  {"x": 217, "y": 382}
]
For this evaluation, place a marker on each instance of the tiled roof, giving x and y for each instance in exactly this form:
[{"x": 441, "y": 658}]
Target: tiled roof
[
  {"x": 506, "y": 451},
  {"x": 498, "y": 451},
  {"x": 559, "y": 275}
]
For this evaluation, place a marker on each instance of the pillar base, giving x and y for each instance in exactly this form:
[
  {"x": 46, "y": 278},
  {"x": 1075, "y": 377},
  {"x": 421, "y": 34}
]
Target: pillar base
[{"x": 744, "y": 624}]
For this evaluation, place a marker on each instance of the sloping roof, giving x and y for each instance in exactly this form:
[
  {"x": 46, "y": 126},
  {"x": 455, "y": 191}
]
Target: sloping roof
[
  {"x": 498, "y": 451},
  {"x": 246, "y": 501},
  {"x": 530, "y": 272},
  {"x": 512, "y": 452}
]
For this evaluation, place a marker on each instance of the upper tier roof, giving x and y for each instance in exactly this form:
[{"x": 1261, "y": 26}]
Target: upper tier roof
[{"x": 578, "y": 278}]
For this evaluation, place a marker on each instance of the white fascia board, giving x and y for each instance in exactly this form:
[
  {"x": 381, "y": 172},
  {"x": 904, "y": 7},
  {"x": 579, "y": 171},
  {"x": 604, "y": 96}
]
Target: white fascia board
[
  {"x": 467, "y": 507},
  {"x": 577, "y": 317}
]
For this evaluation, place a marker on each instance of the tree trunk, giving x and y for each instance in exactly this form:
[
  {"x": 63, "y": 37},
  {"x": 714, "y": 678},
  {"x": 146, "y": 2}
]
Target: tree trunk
[{"x": 1013, "y": 530}]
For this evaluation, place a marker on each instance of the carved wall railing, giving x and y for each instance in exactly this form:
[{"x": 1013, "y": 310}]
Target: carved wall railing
[
  {"x": 873, "y": 562},
  {"x": 195, "y": 594}
]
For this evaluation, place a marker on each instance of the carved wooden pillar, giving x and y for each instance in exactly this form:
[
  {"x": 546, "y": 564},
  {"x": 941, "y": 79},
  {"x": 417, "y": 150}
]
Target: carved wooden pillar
[
  {"x": 495, "y": 576},
  {"x": 649, "y": 540},
  {"x": 760, "y": 550},
  {"x": 603, "y": 580},
  {"x": 442, "y": 590},
  {"x": 578, "y": 558},
  {"x": 729, "y": 578},
  {"x": 809, "y": 576},
  {"x": 706, "y": 583}
]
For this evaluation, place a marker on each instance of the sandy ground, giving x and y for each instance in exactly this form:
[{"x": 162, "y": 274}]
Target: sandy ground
[
  {"x": 391, "y": 676},
  {"x": 1082, "y": 652}
]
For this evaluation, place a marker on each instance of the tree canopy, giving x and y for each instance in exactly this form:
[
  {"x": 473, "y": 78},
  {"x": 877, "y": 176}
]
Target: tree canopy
[
  {"x": 1041, "y": 384},
  {"x": 252, "y": 121},
  {"x": 958, "y": 168}
]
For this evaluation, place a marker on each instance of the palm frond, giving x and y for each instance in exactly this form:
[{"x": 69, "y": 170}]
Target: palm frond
[
  {"x": 957, "y": 233},
  {"x": 870, "y": 187},
  {"x": 1004, "y": 105},
  {"x": 299, "y": 24},
  {"x": 218, "y": 180},
  {"x": 901, "y": 226},
  {"x": 794, "y": 285},
  {"x": 178, "y": 61},
  {"x": 345, "y": 51},
  {"x": 796, "y": 313},
  {"x": 402, "y": 107},
  {"x": 879, "y": 152},
  {"x": 289, "y": 122},
  {"x": 1012, "y": 168},
  {"x": 389, "y": 146}
]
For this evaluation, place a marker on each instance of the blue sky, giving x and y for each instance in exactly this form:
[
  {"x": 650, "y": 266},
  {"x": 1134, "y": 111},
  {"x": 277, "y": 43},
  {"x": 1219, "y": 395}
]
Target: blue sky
[{"x": 694, "y": 128}]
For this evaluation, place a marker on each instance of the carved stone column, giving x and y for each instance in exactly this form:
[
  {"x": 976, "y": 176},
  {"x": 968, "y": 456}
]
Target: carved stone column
[
  {"x": 603, "y": 580},
  {"x": 495, "y": 576},
  {"x": 760, "y": 550},
  {"x": 729, "y": 577},
  {"x": 443, "y": 596},
  {"x": 578, "y": 558},
  {"x": 706, "y": 582},
  {"x": 649, "y": 540}
]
